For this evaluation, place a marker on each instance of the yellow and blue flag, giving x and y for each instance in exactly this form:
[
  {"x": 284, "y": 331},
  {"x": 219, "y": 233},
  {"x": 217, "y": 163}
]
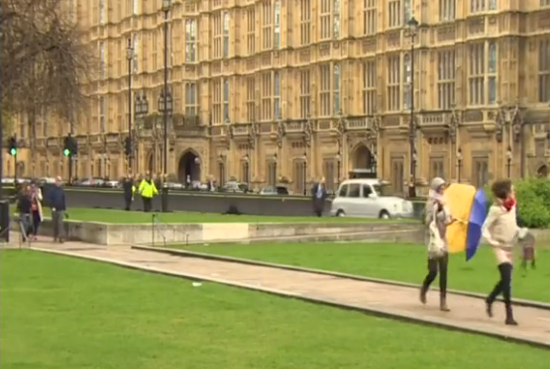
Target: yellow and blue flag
[{"x": 469, "y": 207}]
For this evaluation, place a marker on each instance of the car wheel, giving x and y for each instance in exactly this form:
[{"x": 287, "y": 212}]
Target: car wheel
[
  {"x": 340, "y": 213},
  {"x": 384, "y": 215}
]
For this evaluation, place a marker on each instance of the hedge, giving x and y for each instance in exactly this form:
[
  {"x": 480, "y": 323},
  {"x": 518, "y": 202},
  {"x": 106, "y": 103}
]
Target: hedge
[{"x": 533, "y": 197}]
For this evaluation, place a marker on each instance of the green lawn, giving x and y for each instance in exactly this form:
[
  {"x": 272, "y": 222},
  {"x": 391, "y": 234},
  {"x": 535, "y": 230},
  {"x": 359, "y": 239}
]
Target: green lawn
[
  {"x": 402, "y": 262},
  {"x": 63, "y": 313},
  {"x": 121, "y": 216}
]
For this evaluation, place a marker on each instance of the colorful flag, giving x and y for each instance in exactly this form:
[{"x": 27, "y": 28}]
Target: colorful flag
[{"x": 459, "y": 198}]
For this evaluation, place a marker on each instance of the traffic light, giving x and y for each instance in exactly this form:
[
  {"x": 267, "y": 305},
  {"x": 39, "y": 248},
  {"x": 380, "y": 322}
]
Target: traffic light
[
  {"x": 70, "y": 146},
  {"x": 128, "y": 146},
  {"x": 12, "y": 146}
]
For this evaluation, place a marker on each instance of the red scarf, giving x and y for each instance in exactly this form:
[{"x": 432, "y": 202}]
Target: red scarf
[{"x": 509, "y": 203}]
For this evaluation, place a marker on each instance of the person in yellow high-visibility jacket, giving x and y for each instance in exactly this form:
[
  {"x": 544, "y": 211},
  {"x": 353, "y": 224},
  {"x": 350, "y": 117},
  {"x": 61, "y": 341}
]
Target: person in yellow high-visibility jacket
[{"x": 147, "y": 190}]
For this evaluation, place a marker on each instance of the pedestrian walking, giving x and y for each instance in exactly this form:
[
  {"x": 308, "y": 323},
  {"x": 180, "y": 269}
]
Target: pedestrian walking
[
  {"x": 36, "y": 208},
  {"x": 24, "y": 208},
  {"x": 438, "y": 217},
  {"x": 500, "y": 230},
  {"x": 147, "y": 190},
  {"x": 319, "y": 198},
  {"x": 129, "y": 190},
  {"x": 56, "y": 200}
]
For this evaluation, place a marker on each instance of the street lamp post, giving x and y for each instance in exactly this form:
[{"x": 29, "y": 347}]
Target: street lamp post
[
  {"x": 166, "y": 4},
  {"x": 412, "y": 179},
  {"x": 130, "y": 57},
  {"x": 247, "y": 170},
  {"x": 141, "y": 109},
  {"x": 338, "y": 160},
  {"x": 412, "y": 26},
  {"x": 221, "y": 169},
  {"x": 459, "y": 163},
  {"x": 304, "y": 158},
  {"x": 509, "y": 161}
]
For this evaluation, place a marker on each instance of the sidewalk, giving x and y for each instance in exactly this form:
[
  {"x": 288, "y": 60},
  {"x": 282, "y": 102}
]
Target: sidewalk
[{"x": 383, "y": 299}]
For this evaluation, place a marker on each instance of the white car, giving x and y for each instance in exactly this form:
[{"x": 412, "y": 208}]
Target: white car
[{"x": 364, "y": 198}]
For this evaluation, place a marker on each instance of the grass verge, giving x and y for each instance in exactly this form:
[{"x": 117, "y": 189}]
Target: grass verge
[
  {"x": 59, "y": 312},
  {"x": 121, "y": 216}
]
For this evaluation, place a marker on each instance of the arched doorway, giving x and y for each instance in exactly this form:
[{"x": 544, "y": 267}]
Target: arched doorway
[
  {"x": 364, "y": 164},
  {"x": 189, "y": 167},
  {"x": 542, "y": 172}
]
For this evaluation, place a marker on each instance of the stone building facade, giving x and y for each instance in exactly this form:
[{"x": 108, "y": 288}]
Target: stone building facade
[{"x": 270, "y": 91}]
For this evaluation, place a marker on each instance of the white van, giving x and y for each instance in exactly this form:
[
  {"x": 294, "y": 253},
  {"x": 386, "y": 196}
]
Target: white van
[{"x": 364, "y": 198}]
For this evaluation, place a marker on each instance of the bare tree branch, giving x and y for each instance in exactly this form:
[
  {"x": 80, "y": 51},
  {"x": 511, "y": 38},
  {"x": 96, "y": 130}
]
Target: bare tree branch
[{"x": 44, "y": 62}]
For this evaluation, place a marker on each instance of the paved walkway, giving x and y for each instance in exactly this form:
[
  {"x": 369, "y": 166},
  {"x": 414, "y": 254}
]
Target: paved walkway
[{"x": 467, "y": 312}]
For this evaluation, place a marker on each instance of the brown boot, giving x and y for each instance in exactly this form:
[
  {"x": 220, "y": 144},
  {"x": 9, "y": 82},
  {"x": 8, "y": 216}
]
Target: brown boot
[
  {"x": 510, "y": 316},
  {"x": 443, "y": 304},
  {"x": 423, "y": 292}
]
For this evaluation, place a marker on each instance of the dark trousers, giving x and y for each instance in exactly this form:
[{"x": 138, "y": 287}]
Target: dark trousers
[
  {"x": 147, "y": 204},
  {"x": 25, "y": 226},
  {"x": 435, "y": 266},
  {"x": 503, "y": 286},
  {"x": 35, "y": 222},
  {"x": 127, "y": 203},
  {"x": 318, "y": 207}
]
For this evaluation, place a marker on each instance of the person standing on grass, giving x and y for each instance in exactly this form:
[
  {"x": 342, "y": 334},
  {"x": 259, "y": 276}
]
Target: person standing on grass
[
  {"x": 37, "y": 216},
  {"x": 56, "y": 199},
  {"x": 129, "y": 190},
  {"x": 501, "y": 231},
  {"x": 147, "y": 190},
  {"x": 319, "y": 194},
  {"x": 438, "y": 217},
  {"x": 24, "y": 208}
]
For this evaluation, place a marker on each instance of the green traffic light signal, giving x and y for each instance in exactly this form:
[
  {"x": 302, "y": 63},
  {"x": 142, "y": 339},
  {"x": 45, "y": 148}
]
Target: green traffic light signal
[
  {"x": 66, "y": 152},
  {"x": 13, "y": 151}
]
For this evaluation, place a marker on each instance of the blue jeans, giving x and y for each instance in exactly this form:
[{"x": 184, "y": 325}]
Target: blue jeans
[{"x": 25, "y": 225}]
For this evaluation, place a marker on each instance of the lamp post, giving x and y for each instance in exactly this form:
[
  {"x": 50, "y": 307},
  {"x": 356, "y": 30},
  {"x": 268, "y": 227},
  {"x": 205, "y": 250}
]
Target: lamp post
[
  {"x": 130, "y": 57},
  {"x": 141, "y": 109},
  {"x": 338, "y": 160},
  {"x": 166, "y": 104},
  {"x": 459, "y": 164},
  {"x": 221, "y": 169},
  {"x": 304, "y": 158},
  {"x": 412, "y": 179},
  {"x": 247, "y": 169},
  {"x": 509, "y": 161},
  {"x": 412, "y": 27},
  {"x": 275, "y": 172}
]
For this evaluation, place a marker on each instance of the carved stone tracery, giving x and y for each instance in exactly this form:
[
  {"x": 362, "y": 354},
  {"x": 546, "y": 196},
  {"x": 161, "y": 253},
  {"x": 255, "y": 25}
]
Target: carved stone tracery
[
  {"x": 280, "y": 134},
  {"x": 252, "y": 135},
  {"x": 308, "y": 132}
]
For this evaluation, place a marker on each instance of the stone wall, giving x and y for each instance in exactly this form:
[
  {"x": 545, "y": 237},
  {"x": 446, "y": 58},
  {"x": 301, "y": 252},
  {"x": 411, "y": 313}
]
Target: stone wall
[{"x": 147, "y": 234}]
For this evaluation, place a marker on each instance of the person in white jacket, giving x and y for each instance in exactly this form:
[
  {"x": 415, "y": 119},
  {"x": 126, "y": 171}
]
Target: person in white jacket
[
  {"x": 438, "y": 217},
  {"x": 501, "y": 232},
  {"x": 36, "y": 209}
]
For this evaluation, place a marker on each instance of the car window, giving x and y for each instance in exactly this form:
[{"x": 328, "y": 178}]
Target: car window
[
  {"x": 343, "y": 191},
  {"x": 367, "y": 190},
  {"x": 354, "y": 190}
]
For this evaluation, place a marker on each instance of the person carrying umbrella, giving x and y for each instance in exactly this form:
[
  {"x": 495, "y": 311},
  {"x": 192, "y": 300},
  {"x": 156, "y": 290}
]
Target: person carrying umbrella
[
  {"x": 438, "y": 217},
  {"x": 501, "y": 231}
]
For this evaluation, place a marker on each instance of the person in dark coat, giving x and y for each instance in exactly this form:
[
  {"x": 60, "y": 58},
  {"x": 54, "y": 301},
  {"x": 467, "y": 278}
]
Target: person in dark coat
[
  {"x": 24, "y": 208},
  {"x": 129, "y": 190},
  {"x": 319, "y": 197}
]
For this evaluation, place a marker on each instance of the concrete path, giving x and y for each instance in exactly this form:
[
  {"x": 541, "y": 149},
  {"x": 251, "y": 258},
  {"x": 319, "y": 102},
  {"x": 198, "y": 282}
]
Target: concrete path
[{"x": 388, "y": 300}]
